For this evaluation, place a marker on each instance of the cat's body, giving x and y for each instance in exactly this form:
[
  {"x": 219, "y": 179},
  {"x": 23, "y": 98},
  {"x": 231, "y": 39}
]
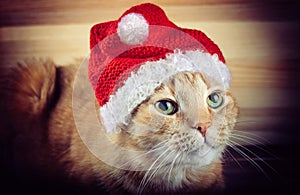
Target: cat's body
[{"x": 183, "y": 149}]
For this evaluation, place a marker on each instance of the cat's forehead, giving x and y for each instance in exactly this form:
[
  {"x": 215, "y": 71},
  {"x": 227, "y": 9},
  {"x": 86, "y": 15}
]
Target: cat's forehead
[
  {"x": 186, "y": 86},
  {"x": 183, "y": 86},
  {"x": 187, "y": 82},
  {"x": 186, "y": 79}
]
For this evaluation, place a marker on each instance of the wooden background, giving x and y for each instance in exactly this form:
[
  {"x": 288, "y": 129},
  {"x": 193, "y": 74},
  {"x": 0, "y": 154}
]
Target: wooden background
[{"x": 260, "y": 40}]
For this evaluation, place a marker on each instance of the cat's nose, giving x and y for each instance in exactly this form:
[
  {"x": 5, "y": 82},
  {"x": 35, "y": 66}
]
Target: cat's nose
[{"x": 202, "y": 127}]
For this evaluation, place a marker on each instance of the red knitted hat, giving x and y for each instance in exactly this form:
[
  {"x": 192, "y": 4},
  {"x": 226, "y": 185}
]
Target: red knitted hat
[{"x": 132, "y": 56}]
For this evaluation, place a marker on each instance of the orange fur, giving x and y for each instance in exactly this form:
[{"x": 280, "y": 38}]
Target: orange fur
[{"x": 37, "y": 97}]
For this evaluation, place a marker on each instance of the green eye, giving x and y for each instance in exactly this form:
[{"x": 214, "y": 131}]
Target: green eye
[
  {"x": 215, "y": 100},
  {"x": 166, "y": 107}
]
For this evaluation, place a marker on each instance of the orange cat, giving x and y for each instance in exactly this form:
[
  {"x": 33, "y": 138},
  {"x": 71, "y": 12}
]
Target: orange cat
[
  {"x": 181, "y": 132},
  {"x": 162, "y": 119}
]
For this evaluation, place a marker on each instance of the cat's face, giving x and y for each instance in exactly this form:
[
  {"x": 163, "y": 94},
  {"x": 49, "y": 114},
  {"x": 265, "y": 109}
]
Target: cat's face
[{"x": 185, "y": 123}]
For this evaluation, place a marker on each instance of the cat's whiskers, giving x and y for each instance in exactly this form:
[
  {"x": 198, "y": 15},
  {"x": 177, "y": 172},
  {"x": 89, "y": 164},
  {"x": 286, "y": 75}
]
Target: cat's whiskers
[
  {"x": 254, "y": 136},
  {"x": 155, "y": 148},
  {"x": 161, "y": 164},
  {"x": 253, "y": 142},
  {"x": 231, "y": 156},
  {"x": 239, "y": 151},
  {"x": 247, "y": 138},
  {"x": 251, "y": 152},
  {"x": 245, "y": 121},
  {"x": 167, "y": 166},
  {"x": 142, "y": 184},
  {"x": 172, "y": 166},
  {"x": 233, "y": 145}
]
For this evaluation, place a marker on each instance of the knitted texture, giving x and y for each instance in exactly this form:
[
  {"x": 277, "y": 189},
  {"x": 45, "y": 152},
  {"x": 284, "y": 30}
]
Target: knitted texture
[
  {"x": 113, "y": 61},
  {"x": 142, "y": 83}
]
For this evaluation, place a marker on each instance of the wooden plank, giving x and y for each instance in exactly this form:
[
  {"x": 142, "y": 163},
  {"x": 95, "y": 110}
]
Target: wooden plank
[
  {"x": 237, "y": 40},
  {"x": 268, "y": 125},
  {"x": 262, "y": 97},
  {"x": 44, "y": 5},
  {"x": 264, "y": 72},
  {"x": 245, "y": 40},
  {"x": 64, "y": 12}
]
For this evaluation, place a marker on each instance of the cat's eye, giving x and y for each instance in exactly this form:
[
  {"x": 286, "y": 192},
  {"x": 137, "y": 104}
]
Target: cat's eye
[
  {"x": 215, "y": 100},
  {"x": 166, "y": 107}
]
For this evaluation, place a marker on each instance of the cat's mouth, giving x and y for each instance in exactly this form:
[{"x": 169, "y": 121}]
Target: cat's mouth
[
  {"x": 199, "y": 156},
  {"x": 202, "y": 149}
]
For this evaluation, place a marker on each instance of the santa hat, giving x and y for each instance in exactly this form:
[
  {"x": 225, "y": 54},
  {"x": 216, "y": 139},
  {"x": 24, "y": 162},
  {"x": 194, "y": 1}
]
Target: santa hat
[{"x": 132, "y": 56}]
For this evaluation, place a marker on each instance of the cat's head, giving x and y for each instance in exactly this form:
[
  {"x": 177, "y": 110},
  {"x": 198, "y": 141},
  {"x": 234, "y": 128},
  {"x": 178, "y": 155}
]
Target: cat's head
[{"x": 186, "y": 122}]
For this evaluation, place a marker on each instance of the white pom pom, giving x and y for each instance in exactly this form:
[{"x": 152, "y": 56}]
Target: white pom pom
[{"x": 133, "y": 29}]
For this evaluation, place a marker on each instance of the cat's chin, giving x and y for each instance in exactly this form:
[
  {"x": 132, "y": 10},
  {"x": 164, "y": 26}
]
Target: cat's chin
[{"x": 203, "y": 156}]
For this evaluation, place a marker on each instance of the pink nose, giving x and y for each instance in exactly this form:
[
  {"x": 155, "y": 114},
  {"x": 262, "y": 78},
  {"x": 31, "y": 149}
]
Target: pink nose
[{"x": 202, "y": 127}]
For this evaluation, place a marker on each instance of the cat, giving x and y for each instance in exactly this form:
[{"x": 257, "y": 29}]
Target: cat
[{"x": 181, "y": 131}]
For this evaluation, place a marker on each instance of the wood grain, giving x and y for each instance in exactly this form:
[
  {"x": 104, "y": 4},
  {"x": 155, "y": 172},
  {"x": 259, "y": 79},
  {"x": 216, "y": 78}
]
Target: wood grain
[
  {"x": 260, "y": 40},
  {"x": 62, "y": 12}
]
